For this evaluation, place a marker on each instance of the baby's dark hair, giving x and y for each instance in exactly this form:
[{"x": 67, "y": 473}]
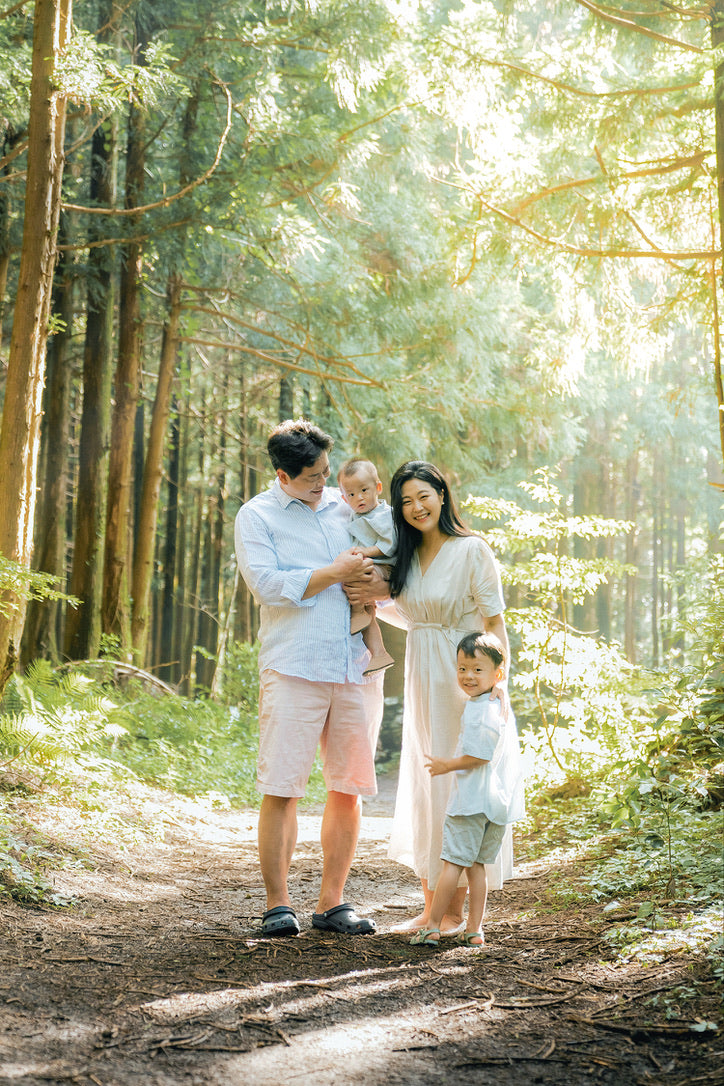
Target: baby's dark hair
[
  {"x": 486, "y": 643},
  {"x": 354, "y": 466}
]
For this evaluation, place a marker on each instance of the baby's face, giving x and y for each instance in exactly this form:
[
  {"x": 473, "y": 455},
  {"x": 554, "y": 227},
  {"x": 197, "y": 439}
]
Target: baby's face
[{"x": 360, "y": 491}]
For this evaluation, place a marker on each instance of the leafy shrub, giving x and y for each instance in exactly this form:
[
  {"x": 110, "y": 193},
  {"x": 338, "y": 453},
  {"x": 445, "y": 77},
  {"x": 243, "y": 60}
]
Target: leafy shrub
[{"x": 572, "y": 689}]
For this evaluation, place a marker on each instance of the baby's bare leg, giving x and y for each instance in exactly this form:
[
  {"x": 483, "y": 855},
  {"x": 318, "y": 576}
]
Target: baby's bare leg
[{"x": 372, "y": 638}]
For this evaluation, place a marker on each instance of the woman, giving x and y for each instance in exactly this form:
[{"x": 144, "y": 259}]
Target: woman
[{"x": 445, "y": 582}]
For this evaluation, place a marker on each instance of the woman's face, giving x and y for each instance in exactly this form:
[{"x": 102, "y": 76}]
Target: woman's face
[{"x": 421, "y": 505}]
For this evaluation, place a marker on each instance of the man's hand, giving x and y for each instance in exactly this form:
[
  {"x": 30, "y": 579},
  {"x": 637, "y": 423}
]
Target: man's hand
[
  {"x": 351, "y": 564},
  {"x": 347, "y": 564},
  {"x": 436, "y": 766},
  {"x": 368, "y": 586}
]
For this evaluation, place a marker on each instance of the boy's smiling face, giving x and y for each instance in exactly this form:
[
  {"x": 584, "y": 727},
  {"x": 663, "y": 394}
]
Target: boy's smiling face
[
  {"x": 360, "y": 491},
  {"x": 477, "y": 674}
]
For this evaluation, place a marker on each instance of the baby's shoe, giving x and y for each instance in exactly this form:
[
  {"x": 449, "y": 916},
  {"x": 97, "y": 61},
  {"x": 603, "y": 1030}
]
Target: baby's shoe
[{"x": 379, "y": 662}]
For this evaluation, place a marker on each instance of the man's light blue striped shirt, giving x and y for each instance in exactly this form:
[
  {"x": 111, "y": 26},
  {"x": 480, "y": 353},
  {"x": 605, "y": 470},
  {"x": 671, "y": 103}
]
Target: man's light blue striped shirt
[{"x": 280, "y": 542}]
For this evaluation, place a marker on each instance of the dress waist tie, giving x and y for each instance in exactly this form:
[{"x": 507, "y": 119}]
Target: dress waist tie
[{"x": 453, "y": 636}]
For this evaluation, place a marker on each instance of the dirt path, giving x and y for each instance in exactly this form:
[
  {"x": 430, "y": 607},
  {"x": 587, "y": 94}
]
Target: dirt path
[{"x": 157, "y": 977}]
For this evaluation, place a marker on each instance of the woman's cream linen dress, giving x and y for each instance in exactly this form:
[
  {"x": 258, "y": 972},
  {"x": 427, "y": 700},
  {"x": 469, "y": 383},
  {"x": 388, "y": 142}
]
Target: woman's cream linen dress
[{"x": 460, "y": 587}]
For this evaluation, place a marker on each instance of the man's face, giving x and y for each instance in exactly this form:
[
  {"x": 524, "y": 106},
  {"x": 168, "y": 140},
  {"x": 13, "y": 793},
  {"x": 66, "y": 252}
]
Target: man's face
[{"x": 308, "y": 486}]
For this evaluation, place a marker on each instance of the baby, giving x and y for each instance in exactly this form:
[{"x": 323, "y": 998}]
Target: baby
[{"x": 373, "y": 534}]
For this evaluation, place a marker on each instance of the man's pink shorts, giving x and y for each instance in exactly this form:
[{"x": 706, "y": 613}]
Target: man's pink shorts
[{"x": 297, "y": 715}]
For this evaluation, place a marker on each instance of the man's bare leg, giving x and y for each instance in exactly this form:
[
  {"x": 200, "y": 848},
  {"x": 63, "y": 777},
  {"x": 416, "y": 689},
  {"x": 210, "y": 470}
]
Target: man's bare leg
[
  {"x": 340, "y": 830},
  {"x": 277, "y": 840}
]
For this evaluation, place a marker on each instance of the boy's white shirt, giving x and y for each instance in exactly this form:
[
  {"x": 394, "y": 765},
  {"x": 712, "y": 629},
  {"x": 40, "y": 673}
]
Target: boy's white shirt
[{"x": 496, "y": 788}]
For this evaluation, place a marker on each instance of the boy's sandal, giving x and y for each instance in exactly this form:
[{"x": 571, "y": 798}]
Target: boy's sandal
[
  {"x": 424, "y": 937},
  {"x": 470, "y": 938}
]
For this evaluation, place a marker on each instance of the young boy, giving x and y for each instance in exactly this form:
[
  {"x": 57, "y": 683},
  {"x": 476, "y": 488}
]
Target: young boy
[
  {"x": 487, "y": 789},
  {"x": 372, "y": 530}
]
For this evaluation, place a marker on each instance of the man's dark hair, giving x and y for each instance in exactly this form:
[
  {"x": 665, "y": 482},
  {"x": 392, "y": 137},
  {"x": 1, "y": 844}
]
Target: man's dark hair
[
  {"x": 296, "y": 444},
  {"x": 485, "y": 643}
]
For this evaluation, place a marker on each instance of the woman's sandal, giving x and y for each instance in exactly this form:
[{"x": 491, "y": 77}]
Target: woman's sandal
[
  {"x": 470, "y": 938},
  {"x": 424, "y": 937}
]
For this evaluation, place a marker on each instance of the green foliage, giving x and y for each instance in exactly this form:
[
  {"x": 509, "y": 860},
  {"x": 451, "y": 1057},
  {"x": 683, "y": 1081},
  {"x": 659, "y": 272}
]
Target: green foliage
[
  {"x": 575, "y": 688},
  {"x": 47, "y": 717},
  {"x": 26, "y": 584},
  {"x": 88, "y": 73},
  {"x": 674, "y": 782},
  {"x": 196, "y": 747},
  {"x": 23, "y": 869},
  {"x": 203, "y": 746}
]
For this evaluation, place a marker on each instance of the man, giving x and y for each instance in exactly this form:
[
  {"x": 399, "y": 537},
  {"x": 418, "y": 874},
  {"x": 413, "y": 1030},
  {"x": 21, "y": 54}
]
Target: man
[{"x": 293, "y": 549}]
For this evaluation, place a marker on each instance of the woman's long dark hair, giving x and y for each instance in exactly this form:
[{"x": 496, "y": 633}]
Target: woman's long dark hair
[{"x": 408, "y": 538}]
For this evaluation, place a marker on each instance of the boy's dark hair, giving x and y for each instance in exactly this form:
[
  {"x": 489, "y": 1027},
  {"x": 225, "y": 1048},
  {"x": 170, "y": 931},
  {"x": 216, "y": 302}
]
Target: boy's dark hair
[
  {"x": 296, "y": 444},
  {"x": 486, "y": 643},
  {"x": 355, "y": 465}
]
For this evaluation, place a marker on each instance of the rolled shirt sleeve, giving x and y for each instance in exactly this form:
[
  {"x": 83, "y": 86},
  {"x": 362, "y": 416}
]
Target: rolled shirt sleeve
[
  {"x": 279, "y": 543},
  {"x": 259, "y": 564}
]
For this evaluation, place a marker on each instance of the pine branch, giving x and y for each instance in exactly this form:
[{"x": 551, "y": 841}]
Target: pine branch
[
  {"x": 581, "y": 182},
  {"x": 627, "y": 24},
  {"x": 119, "y": 212},
  {"x": 367, "y": 382},
  {"x": 576, "y": 250}
]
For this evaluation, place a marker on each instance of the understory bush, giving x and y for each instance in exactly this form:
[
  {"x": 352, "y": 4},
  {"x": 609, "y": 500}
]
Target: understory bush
[{"x": 87, "y": 739}]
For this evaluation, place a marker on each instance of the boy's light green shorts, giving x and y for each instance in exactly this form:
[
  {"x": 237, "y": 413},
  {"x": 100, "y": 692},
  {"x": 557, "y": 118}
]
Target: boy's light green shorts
[{"x": 471, "y": 839}]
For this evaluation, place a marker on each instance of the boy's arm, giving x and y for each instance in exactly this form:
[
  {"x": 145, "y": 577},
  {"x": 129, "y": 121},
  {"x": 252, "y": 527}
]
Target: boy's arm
[{"x": 436, "y": 766}]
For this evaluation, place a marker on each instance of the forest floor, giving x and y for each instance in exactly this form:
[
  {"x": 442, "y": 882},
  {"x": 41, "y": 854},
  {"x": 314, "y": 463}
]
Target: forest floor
[{"x": 157, "y": 975}]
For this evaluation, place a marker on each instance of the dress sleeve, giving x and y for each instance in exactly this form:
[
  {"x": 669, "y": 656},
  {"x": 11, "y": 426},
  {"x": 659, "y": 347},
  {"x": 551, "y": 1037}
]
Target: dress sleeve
[{"x": 485, "y": 583}]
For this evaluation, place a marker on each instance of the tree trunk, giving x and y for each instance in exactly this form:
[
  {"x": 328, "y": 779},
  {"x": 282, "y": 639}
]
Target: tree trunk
[
  {"x": 286, "y": 397},
  {"x": 183, "y": 610},
  {"x": 115, "y": 608},
  {"x": 632, "y": 502},
  {"x": 655, "y": 565},
  {"x": 9, "y": 138},
  {"x": 41, "y": 636},
  {"x": 83, "y": 625},
  {"x": 604, "y": 549},
  {"x": 20, "y": 434},
  {"x": 153, "y": 474},
  {"x": 169, "y": 611},
  {"x": 717, "y": 41}
]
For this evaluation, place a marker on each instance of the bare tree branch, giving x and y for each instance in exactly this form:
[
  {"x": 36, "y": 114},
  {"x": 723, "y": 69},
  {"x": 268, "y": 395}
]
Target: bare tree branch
[
  {"x": 579, "y": 92},
  {"x": 292, "y": 344},
  {"x": 581, "y": 182},
  {"x": 273, "y": 360},
  {"x": 658, "y": 254},
  {"x": 118, "y": 212},
  {"x": 11, "y": 11},
  {"x": 627, "y": 24}
]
